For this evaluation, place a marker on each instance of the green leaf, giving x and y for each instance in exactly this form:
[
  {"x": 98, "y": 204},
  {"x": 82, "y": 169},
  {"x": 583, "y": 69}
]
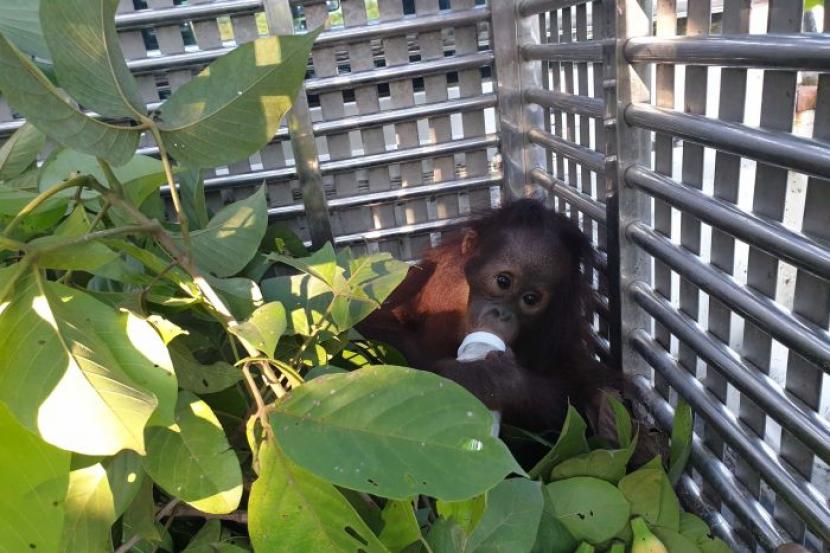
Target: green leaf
[
  {"x": 552, "y": 536},
  {"x": 510, "y": 522},
  {"x": 20, "y": 22},
  {"x": 605, "y": 464},
  {"x": 30, "y": 92},
  {"x": 321, "y": 370},
  {"x": 97, "y": 496},
  {"x": 46, "y": 215},
  {"x": 682, "y": 433},
  {"x": 234, "y": 106},
  {"x": 400, "y": 528},
  {"x": 231, "y": 238},
  {"x": 467, "y": 513},
  {"x": 674, "y": 542},
  {"x": 199, "y": 378},
  {"x": 292, "y": 510},
  {"x": 697, "y": 531},
  {"x": 393, "y": 432},
  {"x": 322, "y": 264},
  {"x": 282, "y": 240},
  {"x": 20, "y": 150},
  {"x": 264, "y": 328},
  {"x": 192, "y": 459},
  {"x": 86, "y": 256},
  {"x": 241, "y": 295},
  {"x": 87, "y": 56},
  {"x": 445, "y": 536},
  {"x": 591, "y": 509},
  {"x": 571, "y": 442},
  {"x": 84, "y": 375},
  {"x": 34, "y": 477},
  {"x": 192, "y": 193},
  {"x": 140, "y": 175},
  {"x": 622, "y": 420},
  {"x": 139, "y": 518},
  {"x": 652, "y": 497},
  {"x": 209, "y": 540}
]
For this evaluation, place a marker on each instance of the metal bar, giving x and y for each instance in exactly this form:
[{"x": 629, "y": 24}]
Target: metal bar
[
  {"x": 807, "y": 338},
  {"x": 527, "y": 8},
  {"x": 581, "y": 201},
  {"x": 768, "y": 235},
  {"x": 589, "y": 51},
  {"x": 350, "y": 164},
  {"x": 781, "y": 149},
  {"x": 178, "y": 15},
  {"x": 601, "y": 346},
  {"x": 749, "y": 510},
  {"x": 571, "y": 103},
  {"x": 805, "y": 424},
  {"x": 799, "y": 494},
  {"x": 395, "y": 195},
  {"x": 394, "y": 232},
  {"x": 408, "y": 71},
  {"x": 580, "y": 154},
  {"x": 796, "y": 52}
]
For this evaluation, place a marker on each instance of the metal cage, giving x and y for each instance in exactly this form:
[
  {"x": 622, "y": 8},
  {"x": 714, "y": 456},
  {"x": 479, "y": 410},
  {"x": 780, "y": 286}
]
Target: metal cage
[{"x": 689, "y": 139}]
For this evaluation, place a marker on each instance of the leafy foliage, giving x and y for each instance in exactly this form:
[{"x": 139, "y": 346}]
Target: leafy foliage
[{"x": 152, "y": 369}]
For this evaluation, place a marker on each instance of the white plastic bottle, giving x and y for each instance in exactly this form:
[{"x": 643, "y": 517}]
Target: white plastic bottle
[{"x": 475, "y": 347}]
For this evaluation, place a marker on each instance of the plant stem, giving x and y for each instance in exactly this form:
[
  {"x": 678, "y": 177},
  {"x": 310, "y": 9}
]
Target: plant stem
[
  {"x": 82, "y": 180},
  {"x": 238, "y": 516},
  {"x": 174, "y": 192},
  {"x": 149, "y": 228},
  {"x": 104, "y": 208},
  {"x": 19, "y": 269},
  {"x": 112, "y": 180},
  {"x": 10, "y": 244},
  {"x": 166, "y": 510}
]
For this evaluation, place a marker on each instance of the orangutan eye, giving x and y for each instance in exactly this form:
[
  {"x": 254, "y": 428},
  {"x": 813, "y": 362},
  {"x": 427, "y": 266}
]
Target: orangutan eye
[
  {"x": 503, "y": 281},
  {"x": 530, "y": 299}
]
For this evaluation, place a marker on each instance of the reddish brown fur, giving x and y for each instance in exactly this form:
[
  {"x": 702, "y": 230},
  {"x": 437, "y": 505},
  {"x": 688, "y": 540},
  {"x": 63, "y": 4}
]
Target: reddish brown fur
[{"x": 550, "y": 364}]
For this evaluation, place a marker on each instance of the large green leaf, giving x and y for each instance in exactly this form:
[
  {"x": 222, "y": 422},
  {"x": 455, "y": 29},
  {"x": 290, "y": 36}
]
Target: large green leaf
[
  {"x": 97, "y": 496},
  {"x": 62, "y": 164},
  {"x": 31, "y": 93},
  {"x": 652, "y": 497},
  {"x": 84, "y": 375},
  {"x": 192, "y": 193},
  {"x": 591, "y": 509},
  {"x": 606, "y": 464},
  {"x": 571, "y": 442},
  {"x": 234, "y": 106},
  {"x": 34, "y": 477},
  {"x": 400, "y": 528},
  {"x": 263, "y": 328},
  {"x": 682, "y": 434},
  {"x": 87, "y": 56},
  {"x": 192, "y": 459},
  {"x": 292, "y": 510},
  {"x": 552, "y": 536},
  {"x": 232, "y": 237},
  {"x": 20, "y": 151},
  {"x": 393, "y": 432},
  {"x": 85, "y": 256},
  {"x": 199, "y": 378},
  {"x": 20, "y": 23},
  {"x": 511, "y": 520}
]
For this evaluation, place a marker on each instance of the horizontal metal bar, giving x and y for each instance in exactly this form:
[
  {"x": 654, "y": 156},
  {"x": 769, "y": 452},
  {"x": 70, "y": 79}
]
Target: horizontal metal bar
[
  {"x": 748, "y": 509},
  {"x": 158, "y": 17},
  {"x": 534, "y": 7},
  {"x": 801, "y": 496},
  {"x": 587, "y": 157},
  {"x": 583, "y": 51},
  {"x": 571, "y": 103},
  {"x": 601, "y": 346},
  {"x": 395, "y": 72},
  {"x": 171, "y": 62},
  {"x": 805, "y": 424},
  {"x": 403, "y": 26},
  {"x": 775, "y": 148},
  {"x": 768, "y": 235},
  {"x": 354, "y": 163},
  {"x": 398, "y": 194},
  {"x": 792, "y": 331},
  {"x": 394, "y": 232},
  {"x": 691, "y": 498},
  {"x": 583, "y": 202},
  {"x": 804, "y": 52}
]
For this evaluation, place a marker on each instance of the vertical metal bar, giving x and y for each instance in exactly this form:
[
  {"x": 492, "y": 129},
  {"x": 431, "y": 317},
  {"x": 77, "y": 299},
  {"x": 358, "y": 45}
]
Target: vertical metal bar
[
  {"x": 812, "y": 295},
  {"x": 722, "y": 254},
  {"x": 768, "y": 201},
  {"x": 663, "y": 164},
  {"x": 625, "y": 146},
  {"x": 556, "y": 71},
  {"x": 697, "y": 24},
  {"x": 517, "y": 117},
  {"x": 281, "y": 21},
  {"x": 570, "y": 118},
  {"x": 598, "y": 31},
  {"x": 584, "y": 122}
]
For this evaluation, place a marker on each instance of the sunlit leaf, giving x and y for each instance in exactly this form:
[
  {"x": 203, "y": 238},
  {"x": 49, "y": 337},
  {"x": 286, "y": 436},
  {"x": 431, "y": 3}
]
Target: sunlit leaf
[
  {"x": 34, "y": 477},
  {"x": 571, "y": 442},
  {"x": 87, "y": 56},
  {"x": 393, "y": 432},
  {"x": 20, "y": 150},
  {"x": 234, "y": 106},
  {"x": 199, "y": 378},
  {"x": 511, "y": 519},
  {"x": 84, "y": 375},
  {"x": 400, "y": 528},
  {"x": 652, "y": 497},
  {"x": 591, "y": 509},
  {"x": 192, "y": 459},
  {"x": 467, "y": 513},
  {"x": 30, "y": 92},
  {"x": 292, "y": 510},
  {"x": 263, "y": 328}
]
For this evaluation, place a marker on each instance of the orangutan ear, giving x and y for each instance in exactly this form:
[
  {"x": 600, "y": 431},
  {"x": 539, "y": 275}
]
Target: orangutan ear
[{"x": 469, "y": 242}]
